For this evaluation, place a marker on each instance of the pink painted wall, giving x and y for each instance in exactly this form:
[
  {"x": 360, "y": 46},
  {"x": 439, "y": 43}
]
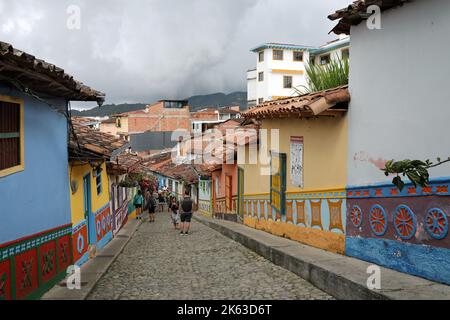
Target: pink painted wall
[{"x": 230, "y": 170}]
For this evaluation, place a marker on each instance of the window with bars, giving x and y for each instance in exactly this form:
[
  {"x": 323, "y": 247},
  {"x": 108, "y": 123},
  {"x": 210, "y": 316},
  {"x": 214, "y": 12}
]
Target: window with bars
[
  {"x": 261, "y": 76},
  {"x": 298, "y": 56},
  {"x": 325, "y": 59},
  {"x": 11, "y": 149},
  {"x": 98, "y": 180},
  {"x": 287, "y": 82},
  {"x": 277, "y": 54},
  {"x": 261, "y": 56}
]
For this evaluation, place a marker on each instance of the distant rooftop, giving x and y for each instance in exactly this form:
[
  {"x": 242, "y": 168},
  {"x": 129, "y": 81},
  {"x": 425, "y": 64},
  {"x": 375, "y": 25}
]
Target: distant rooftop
[
  {"x": 332, "y": 45},
  {"x": 286, "y": 46}
]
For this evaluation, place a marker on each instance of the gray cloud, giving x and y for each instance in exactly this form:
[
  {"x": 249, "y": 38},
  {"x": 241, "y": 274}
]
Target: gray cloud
[{"x": 140, "y": 51}]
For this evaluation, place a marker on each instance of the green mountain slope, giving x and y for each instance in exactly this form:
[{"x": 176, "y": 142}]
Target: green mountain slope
[{"x": 215, "y": 100}]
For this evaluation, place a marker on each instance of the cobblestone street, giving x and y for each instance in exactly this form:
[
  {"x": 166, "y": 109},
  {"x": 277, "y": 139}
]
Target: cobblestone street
[{"x": 159, "y": 263}]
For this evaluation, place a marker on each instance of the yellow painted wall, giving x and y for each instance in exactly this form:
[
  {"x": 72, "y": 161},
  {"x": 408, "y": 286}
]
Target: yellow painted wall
[
  {"x": 324, "y": 176},
  {"x": 333, "y": 242},
  {"x": 77, "y": 172},
  {"x": 324, "y": 158},
  {"x": 111, "y": 128}
]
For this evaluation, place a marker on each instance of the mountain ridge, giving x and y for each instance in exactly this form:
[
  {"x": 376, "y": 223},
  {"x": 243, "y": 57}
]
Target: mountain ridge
[{"x": 197, "y": 102}]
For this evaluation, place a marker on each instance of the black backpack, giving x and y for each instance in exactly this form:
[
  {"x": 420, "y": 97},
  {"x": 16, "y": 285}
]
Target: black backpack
[
  {"x": 152, "y": 203},
  {"x": 186, "y": 205}
]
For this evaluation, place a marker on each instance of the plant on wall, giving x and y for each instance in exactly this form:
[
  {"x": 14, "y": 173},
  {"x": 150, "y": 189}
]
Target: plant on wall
[
  {"x": 415, "y": 170},
  {"x": 138, "y": 179},
  {"x": 322, "y": 77}
]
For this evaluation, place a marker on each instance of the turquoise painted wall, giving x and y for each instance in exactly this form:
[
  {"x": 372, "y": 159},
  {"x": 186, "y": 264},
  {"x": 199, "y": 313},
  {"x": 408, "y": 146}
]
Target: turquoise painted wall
[{"x": 37, "y": 199}]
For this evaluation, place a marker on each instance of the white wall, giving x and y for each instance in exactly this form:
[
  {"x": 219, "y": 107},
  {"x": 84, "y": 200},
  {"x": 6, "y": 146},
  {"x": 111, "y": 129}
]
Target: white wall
[
  {"x": 399, "y": 85},
  {"x": 334, "y": 55},
  {"x": 251, "y": 85},
  {"x": 272, "y": 86}
]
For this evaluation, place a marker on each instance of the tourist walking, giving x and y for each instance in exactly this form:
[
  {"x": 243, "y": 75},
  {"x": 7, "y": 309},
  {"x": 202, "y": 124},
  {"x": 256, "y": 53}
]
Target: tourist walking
[
  {"x": 138, "y": 202},
  {"x": 151, "y": 207},
  {"x": 186, "y": 215},
  {"x": 161, "y": 201},
  {"x": 174, "y": 207}
]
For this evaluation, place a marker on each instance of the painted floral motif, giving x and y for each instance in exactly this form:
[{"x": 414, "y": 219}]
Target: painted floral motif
[
  {"x": 436, "y": 223},
  {"x": 49, "y": 264},
  {"x": 3, "y": 286},
  {"x": 405, "y": 222},
  {"x": 356, "y": 216},
  {"x": 378, "y": 220},
  {"x": 27, "y": 281}
]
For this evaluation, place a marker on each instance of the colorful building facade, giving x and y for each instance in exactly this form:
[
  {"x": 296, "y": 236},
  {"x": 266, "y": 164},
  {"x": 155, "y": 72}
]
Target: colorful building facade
[
  {"x": 391, "y": 116},
  {"x": 205, "y": 196},
  {"x": 224, "y": 192},
  {"x": 297, "y": 190},
  {"x": 91, "y": 212},
  {"x": 35, "y": 228},
  {"x": 93, "y": 217}
]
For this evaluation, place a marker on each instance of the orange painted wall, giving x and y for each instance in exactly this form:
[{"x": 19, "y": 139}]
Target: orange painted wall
[{"x": 230, "y": 170}]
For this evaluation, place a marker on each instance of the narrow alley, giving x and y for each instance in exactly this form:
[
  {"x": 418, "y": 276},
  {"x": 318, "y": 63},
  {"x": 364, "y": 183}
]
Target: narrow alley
[{"x": 159, "y": 263}]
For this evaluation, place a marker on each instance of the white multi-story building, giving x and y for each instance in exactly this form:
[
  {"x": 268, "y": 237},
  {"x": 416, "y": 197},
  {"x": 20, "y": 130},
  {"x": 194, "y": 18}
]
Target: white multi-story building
[{"x": 281, "y": 67}]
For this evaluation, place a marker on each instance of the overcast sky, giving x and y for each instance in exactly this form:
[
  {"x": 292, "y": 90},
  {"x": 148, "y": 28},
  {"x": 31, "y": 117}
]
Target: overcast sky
[{"x": 145, "y": 50}]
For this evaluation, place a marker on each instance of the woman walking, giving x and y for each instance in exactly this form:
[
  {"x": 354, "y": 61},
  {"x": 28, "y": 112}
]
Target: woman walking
[
  {"x": 138, "y": 202},
  {"x": 174, "y": 207}
]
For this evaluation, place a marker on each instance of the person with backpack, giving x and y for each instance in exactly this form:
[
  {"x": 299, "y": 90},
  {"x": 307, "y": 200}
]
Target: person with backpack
[
  {"x": 186, "y": 215},
  {"x": 138, "y": 202},
  {"x": 151, "y": 206}
]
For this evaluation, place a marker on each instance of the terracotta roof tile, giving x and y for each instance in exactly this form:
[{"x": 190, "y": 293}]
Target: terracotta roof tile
[
  {"x": 126, "y": 162},
  {"x": 43, "y": 77},
  {"x": 92, "y": 141},
  {"x": 307, "y": 105},
  {"x": 356, "y": 12}
]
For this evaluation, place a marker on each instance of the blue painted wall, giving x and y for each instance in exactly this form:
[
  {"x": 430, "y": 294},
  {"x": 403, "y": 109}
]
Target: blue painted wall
[
  {"x": 420, "y": 260},
  {"x": 37, "y": 199}
]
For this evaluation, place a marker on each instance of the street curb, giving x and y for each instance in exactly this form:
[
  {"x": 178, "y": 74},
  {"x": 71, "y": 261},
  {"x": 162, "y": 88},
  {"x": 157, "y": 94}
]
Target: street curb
[
  {"x": 84, "y": 294},
  {"x": 94, "y": 284},
  {"x": 340, "y": 276}
]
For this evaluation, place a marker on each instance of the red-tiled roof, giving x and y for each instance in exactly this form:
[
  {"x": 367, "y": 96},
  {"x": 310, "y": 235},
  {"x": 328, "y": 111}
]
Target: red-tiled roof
[
  {"x": 42, "y": 77},
  {"x": 126, "y": 162},
  {"x": 308, "y": 105},
  {"x": 356, "y": 12},
  {"x": 85, "y": 141}
]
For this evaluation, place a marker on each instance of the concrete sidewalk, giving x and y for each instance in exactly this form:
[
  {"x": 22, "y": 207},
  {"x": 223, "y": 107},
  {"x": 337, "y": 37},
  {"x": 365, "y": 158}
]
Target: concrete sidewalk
[
  {"x": 94, "y": 269},
  {"x": 340, "y": 276}
]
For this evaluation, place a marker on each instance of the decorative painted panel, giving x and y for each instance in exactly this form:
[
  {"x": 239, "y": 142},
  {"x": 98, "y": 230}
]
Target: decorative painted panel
[
  {"x": 289, "y": 211},
  {"x": 316, "y": 214},
  {"x": 47, "y": 257},
  {"x": 30, "y": 265},
  {"x": 26, "y": 273},
  {"x": 403, "y": 230},
  {"x": 80, "y": 241},
  {"x": 64, "y": 252},
  {"x": 335, "y": 210},
  {"x": 301, "y": 214},
  {"x": 5, "y": 280}
]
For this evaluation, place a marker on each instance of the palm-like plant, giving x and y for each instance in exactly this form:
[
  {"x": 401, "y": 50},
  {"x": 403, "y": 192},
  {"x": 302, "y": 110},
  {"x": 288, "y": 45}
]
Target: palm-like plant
[{"x": 322, "y": 77}]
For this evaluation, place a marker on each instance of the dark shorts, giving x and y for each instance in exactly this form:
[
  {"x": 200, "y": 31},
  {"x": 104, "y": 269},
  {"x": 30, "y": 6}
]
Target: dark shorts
[
  {"x": 186, "y": 217},
  {"x": 138, "y": 206}
]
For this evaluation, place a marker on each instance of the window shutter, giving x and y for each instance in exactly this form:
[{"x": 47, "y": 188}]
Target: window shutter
[{"x": 9, "y": 135}]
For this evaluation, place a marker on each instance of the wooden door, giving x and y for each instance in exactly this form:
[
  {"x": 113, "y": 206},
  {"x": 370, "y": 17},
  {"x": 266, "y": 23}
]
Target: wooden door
[{"x": 229, "y": 193}]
